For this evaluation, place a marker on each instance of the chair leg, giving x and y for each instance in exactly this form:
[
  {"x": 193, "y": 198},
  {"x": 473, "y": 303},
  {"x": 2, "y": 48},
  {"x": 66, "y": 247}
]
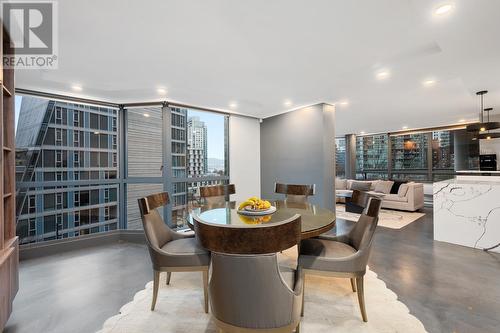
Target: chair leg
[
  {"x": 156, "y": 282},
  {"x": 361, "y": 298},
  {"x": 169, "y": 274},
  {"x": 353, "y": 284},
  {"x": 303, "y": 293},
  {"x": 205, "y": 289}
]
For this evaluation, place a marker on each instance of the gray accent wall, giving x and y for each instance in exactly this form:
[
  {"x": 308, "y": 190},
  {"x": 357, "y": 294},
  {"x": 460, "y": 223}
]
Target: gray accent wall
[{"x": 298, "y": 147}]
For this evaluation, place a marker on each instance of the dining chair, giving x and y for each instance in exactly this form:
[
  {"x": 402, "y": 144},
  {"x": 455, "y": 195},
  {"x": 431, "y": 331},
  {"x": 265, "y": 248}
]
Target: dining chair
[
  {"x": 170, "y": 251},
  {"x": 217, "y": 194},
  {"x": 344, "y": 256},
  {"x": 249, "y": 293},
  {"x": 358, "y": 202},
  {"x": 295, "y": 193}
]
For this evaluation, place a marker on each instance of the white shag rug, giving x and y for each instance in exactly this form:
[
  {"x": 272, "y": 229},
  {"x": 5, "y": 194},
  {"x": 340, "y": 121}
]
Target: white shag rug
[
  {"x": 330, "y": 306},
  {"x": 387, "y": 218}
]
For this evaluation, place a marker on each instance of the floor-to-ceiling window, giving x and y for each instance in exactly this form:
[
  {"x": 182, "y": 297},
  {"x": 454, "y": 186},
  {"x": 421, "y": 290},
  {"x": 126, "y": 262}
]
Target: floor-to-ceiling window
[
  {"x": 199, "y": 157},
  {"x": 340, "y": 157},
  {"x": 80, "y": 168},
  {"x": 424, "y": 156},
  {"x": 443, "y": 155},
  {"x": 66, "y": 169},
  {"x": 144, "y": 159},
  {"x": 371, "y": 156},
  {"x": 409, "y": 156}
]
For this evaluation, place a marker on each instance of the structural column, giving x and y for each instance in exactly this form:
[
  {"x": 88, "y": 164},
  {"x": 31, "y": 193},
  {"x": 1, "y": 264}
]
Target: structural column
[{"x": 350, "y": 156}]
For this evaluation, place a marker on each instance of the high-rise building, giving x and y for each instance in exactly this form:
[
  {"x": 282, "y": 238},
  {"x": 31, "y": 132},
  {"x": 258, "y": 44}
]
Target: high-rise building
[
  {"x": 197, "y": 146},
  {"x": 179, "y": 164},
  {"x": 443, "y": 156},
  {"x": 410, "y": 151},
  {"x": 371, "y": 156},
  {"x": 197, "y": 162},
  {"x": 61, "y": 149},
  {"x": 340, "y": 157}
]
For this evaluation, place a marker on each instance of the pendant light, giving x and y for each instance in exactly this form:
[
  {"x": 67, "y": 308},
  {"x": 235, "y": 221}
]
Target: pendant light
[
  {"x": 488, "y": 135},
  {"x": 483, "y": 126}
]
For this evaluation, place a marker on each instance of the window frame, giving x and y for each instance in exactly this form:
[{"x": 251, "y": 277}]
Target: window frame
[{"x": 76, "y": 119}]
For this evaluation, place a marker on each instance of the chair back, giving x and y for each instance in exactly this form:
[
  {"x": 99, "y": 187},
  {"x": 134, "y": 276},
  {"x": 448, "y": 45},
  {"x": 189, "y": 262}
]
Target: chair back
[
  {"x": 217, "y": 194},
  {"x": 294, "y": 192},
  {"x": 156, "y": 231},
  {"x": 361, "y": 235},
  {"x": 249, "y": 292},
  {"x": 358, "y": 198}
]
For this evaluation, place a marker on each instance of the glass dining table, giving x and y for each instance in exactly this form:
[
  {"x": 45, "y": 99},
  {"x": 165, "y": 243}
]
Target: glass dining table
[{"x": 221, "y": 228}]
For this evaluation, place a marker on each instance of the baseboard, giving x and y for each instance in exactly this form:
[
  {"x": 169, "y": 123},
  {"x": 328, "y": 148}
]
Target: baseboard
[
  {"x": 37, "y": 250},
  {"x": 133, "y": 236}
]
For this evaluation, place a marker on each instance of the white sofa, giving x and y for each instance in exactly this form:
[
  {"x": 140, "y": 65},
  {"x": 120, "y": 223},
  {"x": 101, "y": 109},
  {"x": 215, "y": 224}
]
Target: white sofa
[{"x": 410, "y": 196}]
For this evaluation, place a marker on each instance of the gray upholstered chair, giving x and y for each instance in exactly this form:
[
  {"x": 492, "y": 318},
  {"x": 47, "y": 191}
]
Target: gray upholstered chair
[
  {"x": 295, "y": 193},
  {"x": 170, "y": 251},
  {"x": 249, "y": 293},
  {"x": 217, "y": 194},
  {"x": 344, "y": 255},
  {"x": 358, "y": 201}
]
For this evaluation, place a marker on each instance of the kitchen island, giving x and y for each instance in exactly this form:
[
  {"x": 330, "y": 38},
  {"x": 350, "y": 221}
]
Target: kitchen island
[{"x": 467, "y": 211}]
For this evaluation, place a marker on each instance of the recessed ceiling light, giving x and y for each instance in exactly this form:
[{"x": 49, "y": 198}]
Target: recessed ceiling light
[
  {"x": 461, "y": 121},
  {"x": 344, "y": 103},
  {"x": 161, "y": 91},
  {"x": 382, "y": 75},
  {"x": 443, "y": 9},
  {"x": 287, "y": 103},
  {"x": 429, "y": 83},
  {"x": 76, "y": 87},
  {"x": 147, "y": 115},
  {"x": 362, "y": 132},
  {"x": 405, "y": 127},
  {"x": 233, "y": 105},
  {"x": 482, "y": 129},
  {"x": 96, "y": 133}
]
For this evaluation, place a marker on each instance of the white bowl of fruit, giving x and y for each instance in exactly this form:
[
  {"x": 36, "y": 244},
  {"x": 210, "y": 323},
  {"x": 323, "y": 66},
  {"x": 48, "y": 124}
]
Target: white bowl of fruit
[{"x": 256, "y": 206}]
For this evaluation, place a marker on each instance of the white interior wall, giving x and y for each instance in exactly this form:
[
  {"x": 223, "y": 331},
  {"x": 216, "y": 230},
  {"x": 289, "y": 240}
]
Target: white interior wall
[{"x": 244, "y": 156}]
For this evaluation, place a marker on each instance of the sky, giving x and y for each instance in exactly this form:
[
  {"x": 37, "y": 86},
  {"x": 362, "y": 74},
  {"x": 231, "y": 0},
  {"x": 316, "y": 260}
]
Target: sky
[
  {"x": 215, "y": 132},
  {"x": 214, "y": 122}
]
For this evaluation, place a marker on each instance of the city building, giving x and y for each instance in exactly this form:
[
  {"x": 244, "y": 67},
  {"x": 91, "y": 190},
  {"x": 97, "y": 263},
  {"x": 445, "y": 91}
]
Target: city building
[
  {"x": 443, "y": 156},
  {"x": 371, "y": 156},
  {"x": 197, "y": 147},
  {"x": 63, "y": 147},
  {"x": 340, "y": 157},
  {"x": 179, "y": 141}
]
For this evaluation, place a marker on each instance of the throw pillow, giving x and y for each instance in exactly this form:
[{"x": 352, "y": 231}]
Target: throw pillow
[
  {"x": 383, "y": 186},
  {"x": 397, "y": 184},
  {"x": 403, "y": 189},
  {"x": 360, "y": 186},
  {"x": 340, "y": 184},
  {"x": 374, "y": 184}
]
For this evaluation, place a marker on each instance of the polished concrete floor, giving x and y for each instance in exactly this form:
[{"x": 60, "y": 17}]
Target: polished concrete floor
[{"x": 449, "y": 288}]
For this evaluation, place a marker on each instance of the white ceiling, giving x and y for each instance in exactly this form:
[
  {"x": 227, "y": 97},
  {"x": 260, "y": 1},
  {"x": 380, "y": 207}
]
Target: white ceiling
[{"x": 260, "y": 53}]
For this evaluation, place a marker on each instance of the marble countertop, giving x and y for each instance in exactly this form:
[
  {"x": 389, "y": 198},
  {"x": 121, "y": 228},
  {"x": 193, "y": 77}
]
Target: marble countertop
[
  {"x": 478, "y": 171},
  {"x": 474, "y": 181},
  {"x": 467, "y": 211}
]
